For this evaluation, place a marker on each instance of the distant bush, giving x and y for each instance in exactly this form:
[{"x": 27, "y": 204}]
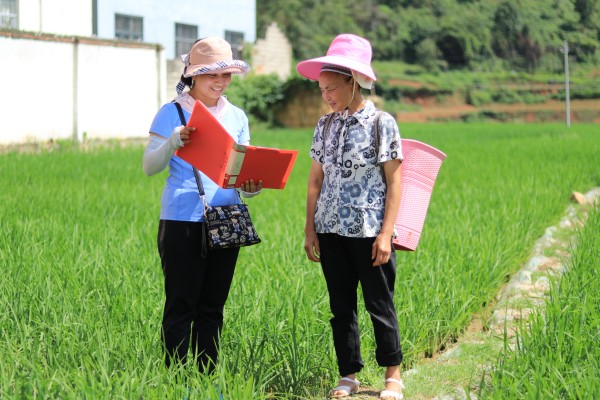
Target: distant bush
[
  {"x": 257, "y": 95},
  {"x": 580, "y": 92},
  {"x": 478, "y": 97},
  {"x": 506, "y": 97},
  {"x": 394, "y": 107},
  {"x": 397, "y": 92}
]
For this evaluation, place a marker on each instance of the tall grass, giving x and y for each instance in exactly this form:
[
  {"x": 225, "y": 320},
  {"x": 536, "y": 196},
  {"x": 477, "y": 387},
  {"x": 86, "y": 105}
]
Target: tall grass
[
  {"x": 556, "y": 353},
  {"x": 83, "y": 290}
]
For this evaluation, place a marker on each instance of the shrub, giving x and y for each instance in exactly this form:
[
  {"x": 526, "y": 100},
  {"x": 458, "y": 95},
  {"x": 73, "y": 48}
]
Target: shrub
[
  {"x": 478, "y": 97},
  {"x": 257, "y": 95}
]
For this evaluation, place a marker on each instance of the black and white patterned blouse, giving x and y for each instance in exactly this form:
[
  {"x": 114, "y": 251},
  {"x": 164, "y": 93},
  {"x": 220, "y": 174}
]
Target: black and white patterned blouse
[{"x": 352, "y": 199}]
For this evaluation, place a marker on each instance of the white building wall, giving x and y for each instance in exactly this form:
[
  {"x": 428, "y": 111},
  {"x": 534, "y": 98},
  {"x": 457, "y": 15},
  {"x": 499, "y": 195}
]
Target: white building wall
[
  {"x": 74, "y": 86},
  {"x": 119, "y": 90},
  {"x": 36, "y": 78},
  {"x": 212, "y": 18},
  {"x": 61, "y": 88},
  {"x": 61, "y": 17}
]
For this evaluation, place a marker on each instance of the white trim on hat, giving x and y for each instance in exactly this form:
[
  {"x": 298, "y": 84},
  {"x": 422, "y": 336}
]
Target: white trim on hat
[
  {"x": 233, "y": 66},
  {"x": 337, "y": 69}
]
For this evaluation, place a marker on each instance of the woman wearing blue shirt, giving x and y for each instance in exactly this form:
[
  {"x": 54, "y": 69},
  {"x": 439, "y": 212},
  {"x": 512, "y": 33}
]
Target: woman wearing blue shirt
[
  {"x": 352, "y": 202},
  {"x": 196, "y": 286}
]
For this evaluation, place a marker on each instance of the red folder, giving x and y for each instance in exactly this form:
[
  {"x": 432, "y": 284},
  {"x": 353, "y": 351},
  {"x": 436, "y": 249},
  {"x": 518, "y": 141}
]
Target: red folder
[{"x": 214, "y": 152}]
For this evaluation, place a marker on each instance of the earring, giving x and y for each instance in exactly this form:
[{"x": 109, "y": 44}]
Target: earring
[{"x": 193, "y": 83}]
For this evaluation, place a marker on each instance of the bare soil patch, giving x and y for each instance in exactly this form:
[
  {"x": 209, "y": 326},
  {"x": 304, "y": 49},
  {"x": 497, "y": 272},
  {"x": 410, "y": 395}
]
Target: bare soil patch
[{"x": 581, "y": 110}]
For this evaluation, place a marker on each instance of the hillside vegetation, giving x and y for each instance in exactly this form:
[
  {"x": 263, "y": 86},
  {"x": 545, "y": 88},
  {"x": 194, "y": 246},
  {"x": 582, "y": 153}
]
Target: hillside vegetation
[
  {"x": 442, "y": 59},
  {"x": 445, "y": 34}
]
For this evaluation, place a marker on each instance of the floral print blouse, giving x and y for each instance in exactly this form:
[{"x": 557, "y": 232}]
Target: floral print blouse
[{"x": 352, "y": 198}]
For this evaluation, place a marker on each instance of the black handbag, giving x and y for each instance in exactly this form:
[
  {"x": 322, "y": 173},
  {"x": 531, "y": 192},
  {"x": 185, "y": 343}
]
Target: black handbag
[{"x": 224, "y": 226}]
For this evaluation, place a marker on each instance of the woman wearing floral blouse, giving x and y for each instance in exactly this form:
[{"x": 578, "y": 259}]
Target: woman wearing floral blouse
[{"x": 352, "y": 201}]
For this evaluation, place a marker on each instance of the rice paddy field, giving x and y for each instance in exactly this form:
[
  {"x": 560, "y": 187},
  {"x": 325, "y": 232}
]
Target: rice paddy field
[
  {"x": 82, "y": 292},
  {"x": 556, "y": 352}
]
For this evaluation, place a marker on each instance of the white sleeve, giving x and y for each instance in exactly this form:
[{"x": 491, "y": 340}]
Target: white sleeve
[
  {"x": 159, "y": 151},
  {"x": 248, "y": 195}
]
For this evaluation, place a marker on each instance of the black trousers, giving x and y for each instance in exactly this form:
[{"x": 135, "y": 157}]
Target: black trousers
[
  {"x": 196, "y": 289},
  {"x": 346, "y": 262}
]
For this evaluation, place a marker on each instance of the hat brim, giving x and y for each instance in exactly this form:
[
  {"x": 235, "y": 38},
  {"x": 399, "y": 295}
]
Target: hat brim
[
  {"x": 223, "y": 67},
  {"x": 311, "y": 69}
]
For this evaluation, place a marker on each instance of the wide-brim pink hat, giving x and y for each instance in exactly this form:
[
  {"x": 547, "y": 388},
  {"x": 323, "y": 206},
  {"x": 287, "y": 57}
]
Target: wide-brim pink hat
[{"x": 346, "y": 50}]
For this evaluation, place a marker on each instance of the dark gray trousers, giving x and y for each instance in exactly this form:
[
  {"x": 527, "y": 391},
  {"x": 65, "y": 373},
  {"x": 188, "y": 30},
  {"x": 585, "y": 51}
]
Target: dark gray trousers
[
  {"x": 346, "y": 262},
  {"x": 196, "y": 289}
]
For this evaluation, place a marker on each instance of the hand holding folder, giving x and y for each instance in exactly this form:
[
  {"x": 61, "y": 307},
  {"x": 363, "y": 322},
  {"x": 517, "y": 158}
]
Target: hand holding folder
[{"x": 214, "y": 152}]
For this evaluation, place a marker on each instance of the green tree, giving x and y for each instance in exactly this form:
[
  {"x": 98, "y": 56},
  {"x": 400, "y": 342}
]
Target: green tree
[
  {"x": 589, "y": 13},
  {"x": 389, "y": 33},
  {"x": 466, "y": 33},
  {"x": 505, "y": 30},
  {"x": 428, "y": 54}
]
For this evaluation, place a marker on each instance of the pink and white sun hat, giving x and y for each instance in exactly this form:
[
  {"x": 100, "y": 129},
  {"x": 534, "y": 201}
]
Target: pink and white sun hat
[
  {"x": 208, "y": 56},
  {"x": 347, "y": 51}
]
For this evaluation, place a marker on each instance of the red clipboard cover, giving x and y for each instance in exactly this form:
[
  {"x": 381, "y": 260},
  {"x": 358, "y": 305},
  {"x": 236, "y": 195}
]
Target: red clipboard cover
[
  {"x": 273, "y": 166},
  {"x": 214, "y": 152}
]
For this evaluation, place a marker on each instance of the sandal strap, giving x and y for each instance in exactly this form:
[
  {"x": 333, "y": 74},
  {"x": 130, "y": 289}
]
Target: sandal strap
[
  {"x": 355, "y": 381},
  {"x": 393, "y": 380},
  {"x": 390, "y": 393},
  {"x": 346, "y": 389}
]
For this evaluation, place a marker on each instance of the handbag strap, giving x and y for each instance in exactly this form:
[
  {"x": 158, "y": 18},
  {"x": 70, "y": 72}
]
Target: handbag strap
[
  {"x": 204, "y": 248},
  {"x": 196, "y": 173}
]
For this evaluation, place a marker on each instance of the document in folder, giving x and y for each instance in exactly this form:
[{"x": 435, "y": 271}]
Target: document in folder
[{"x": 214, "y": 152}]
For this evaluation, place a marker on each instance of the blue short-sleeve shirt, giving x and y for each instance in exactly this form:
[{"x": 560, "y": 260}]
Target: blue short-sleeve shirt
[{"x": 180, "y": 200}]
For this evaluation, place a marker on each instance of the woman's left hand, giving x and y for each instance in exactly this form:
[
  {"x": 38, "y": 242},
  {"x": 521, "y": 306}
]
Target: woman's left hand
[
  {"x": 381, "y": 250},
  {"x": 250, "y": 187}
]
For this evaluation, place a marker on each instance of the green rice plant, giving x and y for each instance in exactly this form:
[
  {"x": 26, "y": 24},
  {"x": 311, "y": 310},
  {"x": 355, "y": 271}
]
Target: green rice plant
[
  {"x": 556, "y": 353},
  {"x": 83, "y": 291}
]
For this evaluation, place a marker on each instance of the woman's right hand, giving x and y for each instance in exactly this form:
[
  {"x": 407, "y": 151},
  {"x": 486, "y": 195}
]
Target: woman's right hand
[
  {"x": 311, "y": 246},
  {"x": 180, "y": 137},
  {"x": 184, "y": 134}
]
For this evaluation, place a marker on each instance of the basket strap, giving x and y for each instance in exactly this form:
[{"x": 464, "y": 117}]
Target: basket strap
[
  {"x": 327, "y": 127},
  {"x": 377, "y": 137}
]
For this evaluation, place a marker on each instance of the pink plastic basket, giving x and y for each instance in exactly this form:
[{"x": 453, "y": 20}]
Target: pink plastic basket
[{"x": 419, "y": 171}]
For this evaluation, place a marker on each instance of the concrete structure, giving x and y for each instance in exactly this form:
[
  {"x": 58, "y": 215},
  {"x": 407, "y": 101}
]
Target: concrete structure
[
  {"x": 57, "y": 87},
  {"x": 61, "y": 17},
  {"x": 273, "y": 54},
  {"x": 234, "y": 20},
  {"x": 221, "y": 18},
  {"x": 76, "y": 69},
  {"x": 63, "y": 75}
]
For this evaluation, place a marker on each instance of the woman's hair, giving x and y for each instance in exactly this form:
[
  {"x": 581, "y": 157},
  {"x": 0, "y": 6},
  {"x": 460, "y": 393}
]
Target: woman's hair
[{"x": 186, "y": 81}]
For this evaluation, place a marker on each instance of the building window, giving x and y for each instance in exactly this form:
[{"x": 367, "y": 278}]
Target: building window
[
  {"x": 8, "y": 14},
  {"x": 185, "y": 36},
  {"x": 129, "y": 28},
  {"x": 236, "y": 40}
]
